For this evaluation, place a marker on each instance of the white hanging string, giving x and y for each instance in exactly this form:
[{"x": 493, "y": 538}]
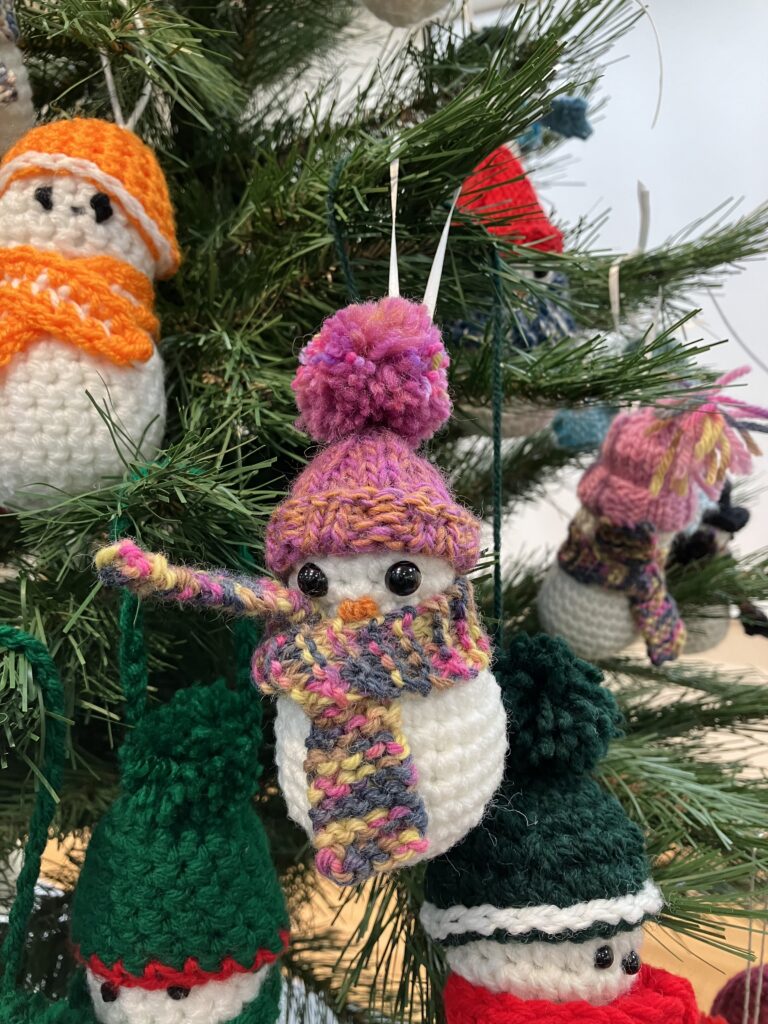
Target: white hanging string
[
  {"x": 748, "y": 978},
  {"x": 394, "y": 274},
  {"x": 146, "y": 90},
  {"x": 660, "y": 56},
  {"x": 436, "y": 272},
  {"x": 114, "y": 100},
  {"x": 614, "y": 281}
]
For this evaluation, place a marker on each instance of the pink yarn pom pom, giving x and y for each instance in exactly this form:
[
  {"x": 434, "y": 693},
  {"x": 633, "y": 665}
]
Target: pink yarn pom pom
[{"x": 374, "y": 365}]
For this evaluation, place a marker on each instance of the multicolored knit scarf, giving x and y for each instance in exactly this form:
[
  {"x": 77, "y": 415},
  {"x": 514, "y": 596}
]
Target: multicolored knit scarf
[
  {"x": 626, "y": 558},
  {"x": 366, "y": 811}
]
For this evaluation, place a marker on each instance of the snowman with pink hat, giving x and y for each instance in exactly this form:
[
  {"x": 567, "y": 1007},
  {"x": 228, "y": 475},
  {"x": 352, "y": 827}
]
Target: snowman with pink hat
[{"x": 607, "y": 587}]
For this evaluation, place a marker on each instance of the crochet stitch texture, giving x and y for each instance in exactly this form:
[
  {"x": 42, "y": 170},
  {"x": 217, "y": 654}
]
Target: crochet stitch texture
[
  {"x": 657, "y": 998},
  {"x": 115, "y": 161},
  {"x": 626, "y": 559},
  {"x": 200, "y": 903},
  {"x": 366, "y": 812},
  {"x": 556, "y": 858}
]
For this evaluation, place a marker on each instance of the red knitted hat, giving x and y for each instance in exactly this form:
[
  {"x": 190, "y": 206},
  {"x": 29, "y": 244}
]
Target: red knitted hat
[{"x": 500, "y": 194}]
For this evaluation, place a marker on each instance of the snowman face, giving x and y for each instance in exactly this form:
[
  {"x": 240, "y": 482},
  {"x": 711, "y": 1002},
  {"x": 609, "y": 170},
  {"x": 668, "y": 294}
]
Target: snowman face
[
  {"x": 597, "y": 971},
  {"x": 212, "y": 1003},
  {"x": 70, "y": 216},
  {"x": 360, "y": 587}
]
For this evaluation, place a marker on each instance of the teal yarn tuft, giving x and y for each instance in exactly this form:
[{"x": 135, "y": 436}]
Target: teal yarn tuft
[{"x": 561, "y": 718}]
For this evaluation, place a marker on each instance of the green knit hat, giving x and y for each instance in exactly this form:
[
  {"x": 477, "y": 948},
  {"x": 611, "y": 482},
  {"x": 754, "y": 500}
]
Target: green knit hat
[
  {"x": 556, "y": 859},
  {"x": 178, "y": 888}
]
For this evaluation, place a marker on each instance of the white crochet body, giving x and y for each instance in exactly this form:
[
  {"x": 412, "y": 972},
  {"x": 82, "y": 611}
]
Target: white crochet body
[
  {"x": 53, "y": 436},
  {"x": 214, "y": 1002},
  {"x": 457, "y": 737},
  {"x": 54, "y": 439},
  {"x": 595, "y": 622},
  {"x": 555, "y": 971}
]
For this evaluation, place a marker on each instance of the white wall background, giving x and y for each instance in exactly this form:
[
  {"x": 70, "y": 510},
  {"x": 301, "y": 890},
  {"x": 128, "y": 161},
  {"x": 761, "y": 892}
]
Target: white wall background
[{"x": 709, "y": 143}]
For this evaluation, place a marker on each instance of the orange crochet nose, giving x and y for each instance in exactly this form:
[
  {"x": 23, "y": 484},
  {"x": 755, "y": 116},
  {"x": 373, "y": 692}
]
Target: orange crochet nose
[{"x": 354, "y": 611}]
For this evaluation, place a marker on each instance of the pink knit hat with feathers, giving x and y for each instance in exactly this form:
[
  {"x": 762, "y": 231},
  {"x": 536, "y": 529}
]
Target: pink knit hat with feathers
[
  {"x": 374, "y": 384},
  {"x": 654, "y": 461}
]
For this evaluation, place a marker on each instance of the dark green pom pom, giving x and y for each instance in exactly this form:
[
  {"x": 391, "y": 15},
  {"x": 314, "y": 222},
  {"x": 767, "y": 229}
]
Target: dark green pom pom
[{"x": 561, "y": 717}]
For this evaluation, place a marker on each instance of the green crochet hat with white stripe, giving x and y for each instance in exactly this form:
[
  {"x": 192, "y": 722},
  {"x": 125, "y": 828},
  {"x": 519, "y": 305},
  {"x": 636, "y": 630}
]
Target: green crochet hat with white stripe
[
  {"x": 545, "y": 898},
  {"x": 178, "y": 915}
]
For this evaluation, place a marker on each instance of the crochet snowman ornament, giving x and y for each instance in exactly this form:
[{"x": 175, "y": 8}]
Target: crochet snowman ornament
[
  {"x": 390, "y": 727},
  {"x": 178, "y": 917},
  {"x": 86, "y": 226},
  {"x": 608, "y": 585},
  {"x": 540, "y": 909}
]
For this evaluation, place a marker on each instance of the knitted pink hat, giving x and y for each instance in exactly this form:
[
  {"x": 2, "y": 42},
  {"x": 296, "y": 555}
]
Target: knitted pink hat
[
  {"x": 374, "y": 383},
  {"x": 654, "y": 462}
]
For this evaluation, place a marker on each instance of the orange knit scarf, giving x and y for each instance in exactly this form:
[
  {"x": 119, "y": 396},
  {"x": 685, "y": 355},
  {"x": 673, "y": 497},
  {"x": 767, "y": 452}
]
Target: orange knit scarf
[{"x": 98, "y": 303}]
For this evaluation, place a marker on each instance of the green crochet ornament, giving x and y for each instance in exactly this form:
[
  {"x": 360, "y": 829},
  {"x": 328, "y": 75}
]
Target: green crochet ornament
[
  {"x": 546, "y": 898},
  {"x": 178, "y": 916}
]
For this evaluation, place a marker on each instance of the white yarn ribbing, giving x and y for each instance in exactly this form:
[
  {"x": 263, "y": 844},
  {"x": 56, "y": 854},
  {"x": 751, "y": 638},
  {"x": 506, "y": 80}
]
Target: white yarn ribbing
[
  {"x": 547, "y": 918},
  {"x": 215, "y": 1002},
  {"x": 53, "y": 435},
  {"x": 458, "y": 739},
  {"x": 558, "y": 972},
  {"x": 596, "y": 622}
]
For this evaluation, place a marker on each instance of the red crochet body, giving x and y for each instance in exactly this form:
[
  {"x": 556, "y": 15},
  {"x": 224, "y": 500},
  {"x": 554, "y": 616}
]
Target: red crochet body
[{"x": 657, "y": 998}]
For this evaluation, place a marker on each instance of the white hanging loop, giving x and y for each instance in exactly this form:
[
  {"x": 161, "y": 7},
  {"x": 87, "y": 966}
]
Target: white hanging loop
[
  {"x": 394, "y": 274},
  {"x": 614, "y": 282},
  {"x": 436, "y": 273},
  {"x": 146, "y": 90},
  {"x": 114, "y": 100}
]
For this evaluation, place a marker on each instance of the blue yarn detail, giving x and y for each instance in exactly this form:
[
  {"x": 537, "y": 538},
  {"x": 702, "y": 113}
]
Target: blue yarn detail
[
  {"x": 568, "y": 117},
  {"x": 531, "y": 138},
  {"x": 542, "y": 319},
  {"x": 582, "y": 429}
]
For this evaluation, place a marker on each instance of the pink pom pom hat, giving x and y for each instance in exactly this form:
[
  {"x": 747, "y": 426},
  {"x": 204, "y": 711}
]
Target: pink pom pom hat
[
  {"x": 655, "y": 462},
  {"x": 373, "y": 382}
]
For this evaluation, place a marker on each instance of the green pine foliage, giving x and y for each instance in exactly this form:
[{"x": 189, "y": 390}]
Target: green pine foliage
[{"x": 283, "y": 217}]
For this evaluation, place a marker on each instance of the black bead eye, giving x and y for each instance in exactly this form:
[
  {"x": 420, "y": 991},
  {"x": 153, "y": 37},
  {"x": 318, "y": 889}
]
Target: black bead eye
[
  {"x": 109, "y": 992},
  {"x": 177, "y": 992},
  {"x": 541, "y": 275},
  {"x": 102, "y": 207},
  {"x": 630, "y": 963},
  {"x": 44, "y": 196},
  {"x": 403, "y": 578},
  {"x": 312, "y": 580},
  {"x": 603, "y": 957}
]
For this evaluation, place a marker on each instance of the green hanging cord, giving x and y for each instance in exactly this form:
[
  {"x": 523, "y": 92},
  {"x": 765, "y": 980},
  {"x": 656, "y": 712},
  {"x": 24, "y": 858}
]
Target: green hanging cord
[
  {"x": 132, "y": 652},
  {"x": 335, "y": 228},
  {"x": 497, "y": 398},
  {"x": 47, "y": 677}
]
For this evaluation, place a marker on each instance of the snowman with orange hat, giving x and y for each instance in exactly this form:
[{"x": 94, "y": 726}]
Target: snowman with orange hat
[{"x": 86, "y": 226}]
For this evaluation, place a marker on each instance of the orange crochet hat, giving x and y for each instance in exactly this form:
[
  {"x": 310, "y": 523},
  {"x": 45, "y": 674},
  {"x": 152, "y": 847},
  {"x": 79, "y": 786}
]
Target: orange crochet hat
[{"x": 115, "y": 161}]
